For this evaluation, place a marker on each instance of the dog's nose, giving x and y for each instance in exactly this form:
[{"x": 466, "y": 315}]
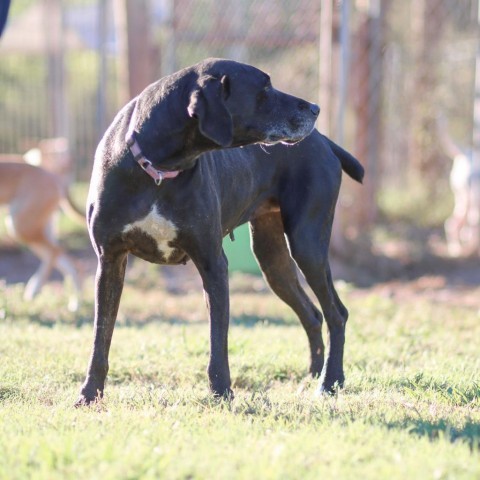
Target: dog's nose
[{"x": 315, "y": 109}]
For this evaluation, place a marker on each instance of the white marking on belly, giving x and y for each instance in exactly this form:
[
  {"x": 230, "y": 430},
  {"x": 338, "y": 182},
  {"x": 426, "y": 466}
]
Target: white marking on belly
[{"x": 163, "y": 231}]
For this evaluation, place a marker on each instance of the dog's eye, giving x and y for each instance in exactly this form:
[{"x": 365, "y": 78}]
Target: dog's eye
[{"x": 262, "y": 96}]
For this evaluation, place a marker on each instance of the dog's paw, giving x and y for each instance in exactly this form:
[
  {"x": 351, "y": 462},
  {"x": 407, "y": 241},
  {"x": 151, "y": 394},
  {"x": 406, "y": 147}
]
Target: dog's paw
[
  {"x": 73, "y": 304},
  {"x": 86, "y": 400},
  {"x": 329, "y": 386},
  {"x": 316, "y": 366},
  {"x": 223, "y": 394}
]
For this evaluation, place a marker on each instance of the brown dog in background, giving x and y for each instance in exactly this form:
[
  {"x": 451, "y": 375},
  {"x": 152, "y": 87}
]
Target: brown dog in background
[{"x": 33, "y": 196}]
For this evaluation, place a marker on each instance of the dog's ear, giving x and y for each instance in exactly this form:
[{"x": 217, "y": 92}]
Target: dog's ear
[{"x": 207, "y": 105}]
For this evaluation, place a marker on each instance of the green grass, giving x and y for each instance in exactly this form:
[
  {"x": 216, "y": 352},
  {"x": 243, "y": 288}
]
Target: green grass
[{"x": 410, "y": 408}]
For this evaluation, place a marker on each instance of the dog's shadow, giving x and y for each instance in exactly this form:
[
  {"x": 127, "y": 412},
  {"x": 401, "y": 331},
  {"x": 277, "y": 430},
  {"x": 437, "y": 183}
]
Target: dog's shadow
[
  {"x": 241, "y": 320},
  {"x": 439, "y": 429}
]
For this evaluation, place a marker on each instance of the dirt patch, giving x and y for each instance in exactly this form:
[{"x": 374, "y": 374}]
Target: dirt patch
[{"x": 407, "y": 272}]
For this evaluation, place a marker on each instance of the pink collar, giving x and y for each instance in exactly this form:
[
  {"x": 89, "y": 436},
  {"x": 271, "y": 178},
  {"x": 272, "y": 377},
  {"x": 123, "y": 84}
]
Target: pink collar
[{"x": 145, "y": 163}]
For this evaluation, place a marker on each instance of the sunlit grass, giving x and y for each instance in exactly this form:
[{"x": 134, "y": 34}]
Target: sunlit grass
[{"x": 410, "y": 408}]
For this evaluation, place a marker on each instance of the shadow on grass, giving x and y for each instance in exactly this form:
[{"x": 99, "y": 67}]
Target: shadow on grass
[
  {"x": 421, "y": 386},
  {"x": 48, "y": 320},
  {"x": 80, "y": 320},
  {"x": 248, "y": 321},
  {"x": 9, "y": 393},
  {"x": 469, "y": 433},
  {"x": 242, "y": 320},
  {"x": 432, "y": 391},
  {"x": 253, "y": 320}
]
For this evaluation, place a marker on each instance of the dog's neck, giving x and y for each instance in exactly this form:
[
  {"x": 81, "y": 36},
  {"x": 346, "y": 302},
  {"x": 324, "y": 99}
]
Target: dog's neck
[
  {"x": 145, "y": 164},
  {"x": 158, "y": 151}
]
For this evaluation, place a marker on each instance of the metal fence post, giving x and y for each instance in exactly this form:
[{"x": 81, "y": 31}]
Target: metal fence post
[
  {"x": 102, "y": 65},
  {"x": 325, "y": 65},
  {"x": 54, "y": 36},
  {"x": 475, "y": 185},
  {"x": 344, "y": 66}
]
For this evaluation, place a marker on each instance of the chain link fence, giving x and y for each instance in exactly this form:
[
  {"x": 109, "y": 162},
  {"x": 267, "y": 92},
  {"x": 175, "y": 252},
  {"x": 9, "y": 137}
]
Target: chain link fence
[{"x": 383, "y": 71}]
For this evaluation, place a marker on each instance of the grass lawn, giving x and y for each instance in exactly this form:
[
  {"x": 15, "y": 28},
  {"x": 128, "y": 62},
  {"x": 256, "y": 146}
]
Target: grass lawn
[{"x": 410, "y": 408}]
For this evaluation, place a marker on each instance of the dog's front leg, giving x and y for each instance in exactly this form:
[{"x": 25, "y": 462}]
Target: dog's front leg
[
  {"x": 108, "y": 290},
  {"x": 214, "y": 273}
]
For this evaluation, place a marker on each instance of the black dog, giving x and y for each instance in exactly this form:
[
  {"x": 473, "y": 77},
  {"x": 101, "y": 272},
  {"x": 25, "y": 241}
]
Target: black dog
[
  {"x": 4, "y": 6},
  {"x": 287, "y": 193}
]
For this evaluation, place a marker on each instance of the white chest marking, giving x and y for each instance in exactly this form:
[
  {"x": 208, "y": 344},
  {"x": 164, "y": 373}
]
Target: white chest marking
[{"x": 163, "y": 231}]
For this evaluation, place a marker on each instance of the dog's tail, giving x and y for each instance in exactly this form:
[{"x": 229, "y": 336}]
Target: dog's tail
[
  {"x": 69, "y": 208},
  {"x": 350, "y": 165}
]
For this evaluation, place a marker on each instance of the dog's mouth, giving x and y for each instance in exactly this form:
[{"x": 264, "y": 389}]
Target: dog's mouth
[
  {"x": 290, "y": 133},
  {"x": 292, "y": 141},
  {"x": 289, "y": 136},
  {"x": 283, "y": 139}
]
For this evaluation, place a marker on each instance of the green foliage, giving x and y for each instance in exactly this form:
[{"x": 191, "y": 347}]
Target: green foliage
[
  {"x": 410, "y": 408},
  {"x": 19, "y": 6},
  {"x": 416, "y": 204}
]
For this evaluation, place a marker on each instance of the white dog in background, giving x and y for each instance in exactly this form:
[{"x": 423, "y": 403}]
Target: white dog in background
[{"x": 462, "y": 228}]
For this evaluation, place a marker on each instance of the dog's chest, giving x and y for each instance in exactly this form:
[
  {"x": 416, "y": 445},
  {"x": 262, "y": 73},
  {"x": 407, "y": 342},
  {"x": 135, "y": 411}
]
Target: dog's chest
[{"x": 161, "y": 230}]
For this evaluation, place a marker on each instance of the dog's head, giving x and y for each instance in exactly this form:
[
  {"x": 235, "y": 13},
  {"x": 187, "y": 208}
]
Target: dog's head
[
  {"x": 235, "y": 104},
  {"x": 217, "y": 104}
]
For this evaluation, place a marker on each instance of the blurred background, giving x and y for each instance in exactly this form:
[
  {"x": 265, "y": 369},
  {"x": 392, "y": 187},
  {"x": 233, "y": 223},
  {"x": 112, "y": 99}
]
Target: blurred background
[{"x": 396, "y": 82}]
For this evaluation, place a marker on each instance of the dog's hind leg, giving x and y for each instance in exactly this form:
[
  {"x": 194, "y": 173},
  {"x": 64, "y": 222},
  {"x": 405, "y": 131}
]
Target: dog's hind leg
[
  {"x": 34, "y": 232},
  {"x": 65, "y": 265},
  {"x": 271, "y": 250},
  {"x": 46, "y": 254},
  {"x": 68, "y": 270},
  {"x": 309, "y": 247}
]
